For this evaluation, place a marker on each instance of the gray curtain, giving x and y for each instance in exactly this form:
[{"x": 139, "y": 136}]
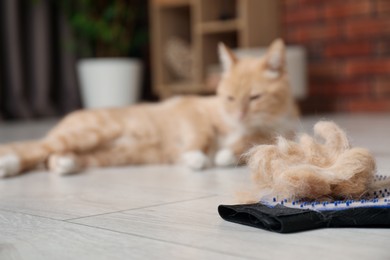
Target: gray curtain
[{"x": 37, "y": 71}]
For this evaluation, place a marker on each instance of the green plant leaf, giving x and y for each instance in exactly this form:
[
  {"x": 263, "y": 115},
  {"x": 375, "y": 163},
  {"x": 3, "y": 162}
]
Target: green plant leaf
[{"x": 105, "y": 27}]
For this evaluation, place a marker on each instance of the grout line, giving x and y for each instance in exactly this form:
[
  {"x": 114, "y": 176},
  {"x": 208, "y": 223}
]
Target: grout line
[
  {"x": 165, "y": 241},
  {"x": 144, "y": 207},
  {"x": 105, "y": 213},
  {"x": 174, "y": 202},
  {"x": 29, "y": 214}
]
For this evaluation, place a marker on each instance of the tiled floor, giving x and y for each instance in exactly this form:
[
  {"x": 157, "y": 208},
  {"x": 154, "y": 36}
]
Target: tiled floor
[{"x": 164, "y": 212}]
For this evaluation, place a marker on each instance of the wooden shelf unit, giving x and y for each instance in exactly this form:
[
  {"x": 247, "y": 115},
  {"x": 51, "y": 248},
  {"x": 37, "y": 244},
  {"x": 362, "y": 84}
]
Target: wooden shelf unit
[
  {"x": 218, "y": 26},
  {"x": 205, "y": 23}
]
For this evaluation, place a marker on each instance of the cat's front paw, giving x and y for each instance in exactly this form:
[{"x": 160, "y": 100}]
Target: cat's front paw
[
  {"x": 195, "y": 160},
  {"x": 225, "y": 158},
  {"x": 9, "y": 165},
  {"x": 63, "y": 164}
]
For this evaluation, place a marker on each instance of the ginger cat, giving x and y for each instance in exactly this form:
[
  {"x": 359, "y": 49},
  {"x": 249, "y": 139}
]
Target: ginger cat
[{"x": 253, "y": 104}]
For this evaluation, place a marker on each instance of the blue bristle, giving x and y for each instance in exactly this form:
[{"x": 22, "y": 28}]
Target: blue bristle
[{"x": 375, "y": 198}]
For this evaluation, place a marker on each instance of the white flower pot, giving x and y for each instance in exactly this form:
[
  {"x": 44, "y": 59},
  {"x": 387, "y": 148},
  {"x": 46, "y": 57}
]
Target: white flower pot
[{"x": 109, "y": 82}]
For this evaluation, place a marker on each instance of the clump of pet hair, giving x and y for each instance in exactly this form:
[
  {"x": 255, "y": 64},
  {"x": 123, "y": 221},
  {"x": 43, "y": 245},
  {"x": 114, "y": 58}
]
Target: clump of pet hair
[{"x": 321, "y": 167}]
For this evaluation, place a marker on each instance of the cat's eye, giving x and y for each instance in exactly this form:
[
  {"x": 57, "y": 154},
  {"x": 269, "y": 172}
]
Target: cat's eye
[
  {"x": 230, "y": 98},
  {"x": 254, "y": 97}
]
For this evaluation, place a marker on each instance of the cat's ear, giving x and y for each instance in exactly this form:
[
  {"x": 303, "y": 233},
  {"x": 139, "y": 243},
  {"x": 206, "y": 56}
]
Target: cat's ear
[
  {"x": 226, "y": 56},
  {"x": 275, "y": 59}
]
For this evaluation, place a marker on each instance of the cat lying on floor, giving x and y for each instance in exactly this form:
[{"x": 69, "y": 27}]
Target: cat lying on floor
[{"x": 253, "y": 105}]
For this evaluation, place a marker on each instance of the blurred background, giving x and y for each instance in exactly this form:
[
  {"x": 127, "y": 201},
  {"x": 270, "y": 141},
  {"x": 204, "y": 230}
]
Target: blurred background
[{"x": 60, "y": 55}]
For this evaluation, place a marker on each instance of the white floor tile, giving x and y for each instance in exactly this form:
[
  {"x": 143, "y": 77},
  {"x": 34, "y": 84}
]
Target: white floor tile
[
  {"x": 59, "y": 197},
  {"x": 197, "y": 223},
  {"x": 29, "y": 237}
]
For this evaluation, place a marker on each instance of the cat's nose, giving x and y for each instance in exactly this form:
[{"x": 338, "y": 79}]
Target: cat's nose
[{"x": 242, "y": 115}]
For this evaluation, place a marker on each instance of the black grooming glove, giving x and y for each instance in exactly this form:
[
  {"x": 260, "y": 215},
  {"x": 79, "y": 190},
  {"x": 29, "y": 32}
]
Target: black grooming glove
[{"x": 283, "y": 219}]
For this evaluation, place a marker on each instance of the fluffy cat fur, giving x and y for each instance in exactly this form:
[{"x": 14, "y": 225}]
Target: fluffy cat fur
[
  {"x": 253, "y": 104},
  {"x": 325, "y": 166}
]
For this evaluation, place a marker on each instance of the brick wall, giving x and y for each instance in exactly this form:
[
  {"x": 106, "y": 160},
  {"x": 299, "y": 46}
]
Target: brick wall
[{"x": 348, "y": 43}]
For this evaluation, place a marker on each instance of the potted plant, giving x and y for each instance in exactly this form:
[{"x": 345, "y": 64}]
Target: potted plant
[{"x": 104, "y": 34}]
